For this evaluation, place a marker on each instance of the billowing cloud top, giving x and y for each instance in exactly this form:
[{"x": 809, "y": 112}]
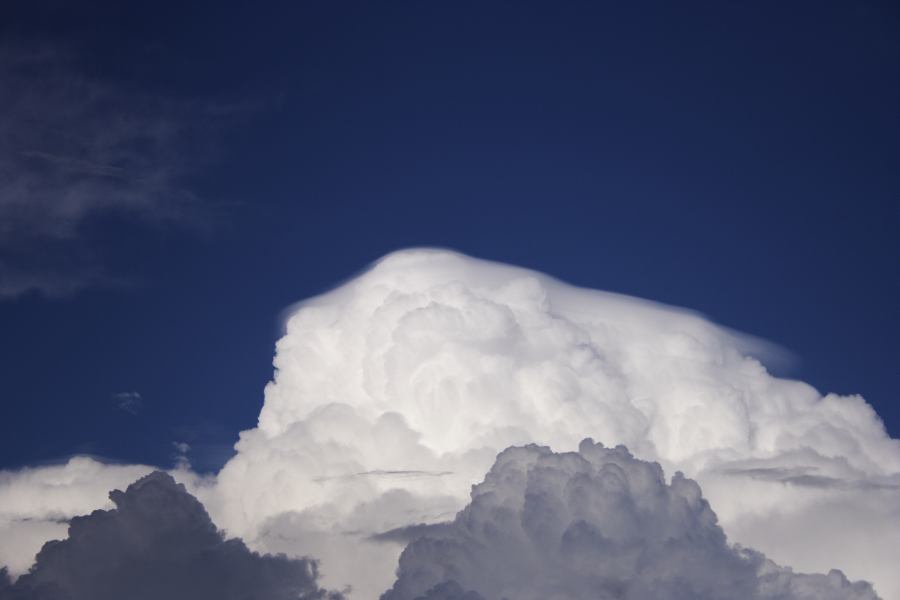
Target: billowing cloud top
[
  {"x": 394, "y": 393},
  {"x": 157, "y": 543},
  {"x": 594, "y": 524}
]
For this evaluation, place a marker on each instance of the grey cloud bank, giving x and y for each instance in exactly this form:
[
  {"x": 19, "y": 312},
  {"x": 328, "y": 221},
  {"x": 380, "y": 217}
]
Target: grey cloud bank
[
  {"x": 158, "y": 543},
  {"x": 594, "y": 524}
]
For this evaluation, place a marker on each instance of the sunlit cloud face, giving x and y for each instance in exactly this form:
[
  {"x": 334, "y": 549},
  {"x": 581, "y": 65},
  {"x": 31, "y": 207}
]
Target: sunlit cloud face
[{"x": 394, "y": 393}]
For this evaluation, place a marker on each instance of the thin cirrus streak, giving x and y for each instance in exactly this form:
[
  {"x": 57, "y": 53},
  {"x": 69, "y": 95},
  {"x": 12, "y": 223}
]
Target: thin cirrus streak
[{"x": 434, "y": 362}]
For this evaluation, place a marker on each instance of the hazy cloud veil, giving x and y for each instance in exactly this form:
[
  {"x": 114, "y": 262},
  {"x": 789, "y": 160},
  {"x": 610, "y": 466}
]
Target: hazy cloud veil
[
  {"x": 394, "y": 393},
  {"x": 75, "y": 149}
]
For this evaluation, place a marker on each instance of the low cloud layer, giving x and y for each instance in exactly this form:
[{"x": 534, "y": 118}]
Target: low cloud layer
[
  {"x": 157, "y": 543},
  {"x": 394, "y": 393},
  {"x": 594, "y": 524}
]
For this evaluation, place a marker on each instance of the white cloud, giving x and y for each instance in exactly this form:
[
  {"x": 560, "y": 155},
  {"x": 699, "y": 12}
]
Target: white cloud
[
  {"x": 393, "y": 394},
  {"x": 594, "y": 524}
]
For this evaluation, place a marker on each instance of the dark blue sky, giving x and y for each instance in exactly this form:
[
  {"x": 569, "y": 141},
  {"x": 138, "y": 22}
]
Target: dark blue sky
[{"x": 740, "y": 159}]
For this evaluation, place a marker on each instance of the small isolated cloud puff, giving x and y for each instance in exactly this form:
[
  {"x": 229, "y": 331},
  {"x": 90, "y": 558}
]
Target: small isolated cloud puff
[
  {"x": 182, "y": 462},
  {"x": 594, "y": 524},
  {"x": 157, "y": 543},
  {"x": 130, "y": 402}
]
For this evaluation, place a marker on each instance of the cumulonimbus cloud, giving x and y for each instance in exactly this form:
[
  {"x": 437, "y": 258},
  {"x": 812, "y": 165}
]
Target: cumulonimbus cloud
[
  {"x": 394, "y": 393},
  {"x": 408, "y": 380},
  {"x": 596, "y": 523}
]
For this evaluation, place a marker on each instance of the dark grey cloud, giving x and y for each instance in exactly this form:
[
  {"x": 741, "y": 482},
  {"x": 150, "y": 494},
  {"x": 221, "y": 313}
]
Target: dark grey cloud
[
  {"x": 450, "y": 590},
  {"x": 5, "y": 583},
  {"x": 594, "y": 524},
  {"x": 73, "y": 149},
  {"x": 159, "y": 542}
]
